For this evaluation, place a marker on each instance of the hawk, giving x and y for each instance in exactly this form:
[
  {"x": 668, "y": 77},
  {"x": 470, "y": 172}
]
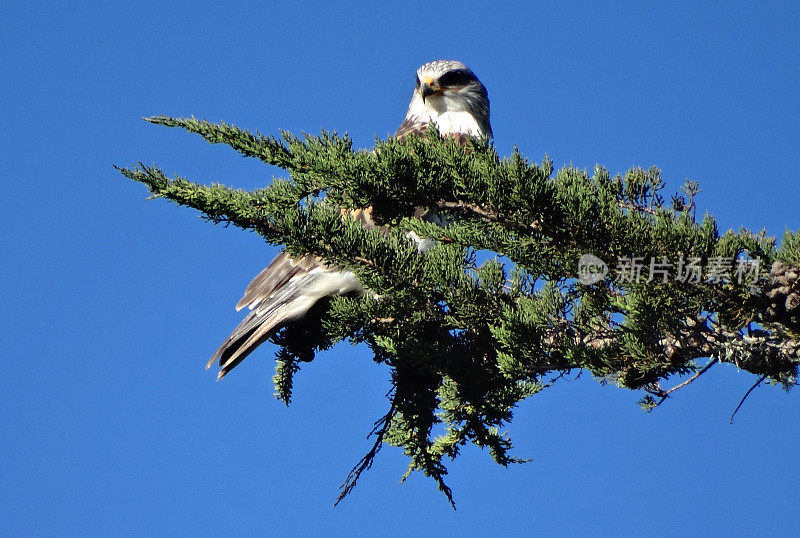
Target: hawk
[{"x": 448, "y": 95}]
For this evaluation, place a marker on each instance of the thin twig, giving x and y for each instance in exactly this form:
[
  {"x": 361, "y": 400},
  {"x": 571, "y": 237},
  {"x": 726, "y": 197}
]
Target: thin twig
[
  {"x": 379, "y": 429},
  {"x": 746, "y": 394},
  {"x": 703, "y": 370},
  {"x": 664, "y": 394},
  {"x": 634, "y": 207},
  {"x": 493, "y": 216},
  {"x": 489, "y": 215},
  {"x": 472, "y": 208}
]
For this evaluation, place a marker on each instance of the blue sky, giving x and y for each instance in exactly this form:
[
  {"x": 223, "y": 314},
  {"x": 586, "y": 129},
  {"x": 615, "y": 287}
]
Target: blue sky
[{"x": 113, "y": 303}]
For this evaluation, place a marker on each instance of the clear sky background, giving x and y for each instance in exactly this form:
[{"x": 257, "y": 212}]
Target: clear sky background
[{"x": 112, "y": 304}]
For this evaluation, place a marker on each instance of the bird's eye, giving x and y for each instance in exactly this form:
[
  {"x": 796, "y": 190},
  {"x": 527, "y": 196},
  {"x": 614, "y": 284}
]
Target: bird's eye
[
  {"x": 456, "y": 78},
  {"x": 417, "y": 81}
]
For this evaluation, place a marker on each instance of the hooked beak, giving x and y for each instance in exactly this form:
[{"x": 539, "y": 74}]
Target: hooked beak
[{"x": 428, "y": 88}]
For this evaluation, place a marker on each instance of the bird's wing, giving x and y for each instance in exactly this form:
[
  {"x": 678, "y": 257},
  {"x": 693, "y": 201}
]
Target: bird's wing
[
  {"x": 281, "y": 293},
  {"x": 284, "y": 269},
  {"x": 284, "y": 292},
  {"x": 281, "y": 270},
  {"x": 410, "y": 126}
]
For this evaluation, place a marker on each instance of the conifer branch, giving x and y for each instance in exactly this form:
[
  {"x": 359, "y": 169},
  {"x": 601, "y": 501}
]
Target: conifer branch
[
  {"x": 267, "y": 149},
  {"x": 466, "y": 340}
]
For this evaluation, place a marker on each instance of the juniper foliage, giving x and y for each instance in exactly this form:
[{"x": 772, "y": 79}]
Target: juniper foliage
[{"x": 467, "y": 340}]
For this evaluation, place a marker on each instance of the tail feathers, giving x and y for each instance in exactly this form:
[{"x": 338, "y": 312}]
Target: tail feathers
[
  {"x": 269, "y": 297},
  {"x": 254, "y": 330},
  {"x": 281, "y": 294}
]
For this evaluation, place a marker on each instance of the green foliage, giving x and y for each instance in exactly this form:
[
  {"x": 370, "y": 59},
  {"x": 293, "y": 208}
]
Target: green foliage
[
  {"x": 790, "y": 248},
  {"x": 465, "y": 340}
]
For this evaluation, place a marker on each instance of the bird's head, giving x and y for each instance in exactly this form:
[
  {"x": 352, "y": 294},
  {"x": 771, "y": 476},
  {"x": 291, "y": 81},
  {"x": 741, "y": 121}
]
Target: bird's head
[
  {"x": 448, "y": 83},
  {"x": 446, "y": 89}
]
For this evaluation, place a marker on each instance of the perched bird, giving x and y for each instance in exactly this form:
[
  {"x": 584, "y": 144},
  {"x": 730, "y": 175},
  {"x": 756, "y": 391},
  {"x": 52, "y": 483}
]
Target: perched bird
[{"x": 447, "y": 94}]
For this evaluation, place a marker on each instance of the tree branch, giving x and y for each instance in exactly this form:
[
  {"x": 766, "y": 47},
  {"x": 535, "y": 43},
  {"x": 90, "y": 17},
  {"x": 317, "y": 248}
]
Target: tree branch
[{"x": 746, "y": 394}]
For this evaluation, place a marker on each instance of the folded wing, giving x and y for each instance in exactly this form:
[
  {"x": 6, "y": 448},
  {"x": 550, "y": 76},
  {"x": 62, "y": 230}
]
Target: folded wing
[{"x": 280, "y": 294}]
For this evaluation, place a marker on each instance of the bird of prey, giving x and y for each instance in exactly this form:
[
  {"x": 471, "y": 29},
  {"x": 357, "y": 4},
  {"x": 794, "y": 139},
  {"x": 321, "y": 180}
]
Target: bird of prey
[{"x": 448, "y": 95}]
